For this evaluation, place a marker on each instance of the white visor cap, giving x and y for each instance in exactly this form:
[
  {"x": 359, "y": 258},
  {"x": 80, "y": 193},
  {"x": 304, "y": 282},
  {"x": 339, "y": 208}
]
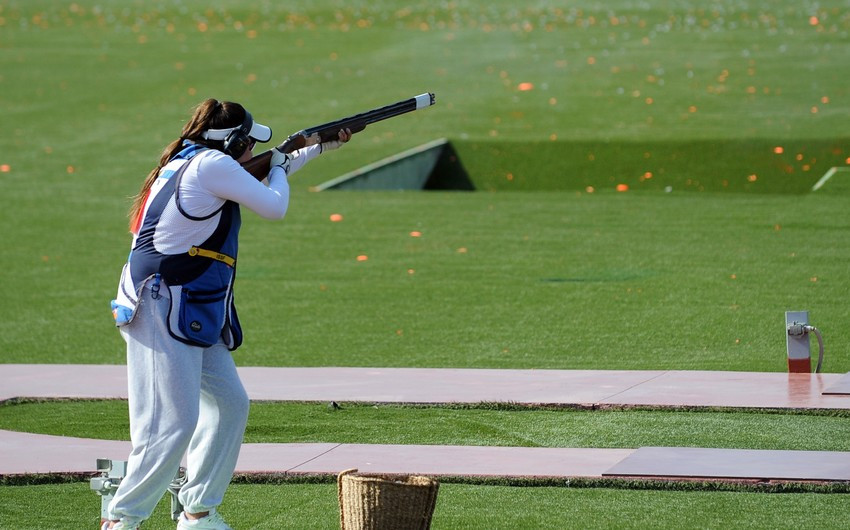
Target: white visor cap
[{"x": 258, "y": 132}]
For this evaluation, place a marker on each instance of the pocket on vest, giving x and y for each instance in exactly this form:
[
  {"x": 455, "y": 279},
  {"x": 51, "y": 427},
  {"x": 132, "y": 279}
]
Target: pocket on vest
[{"x": 201, "y": 315}]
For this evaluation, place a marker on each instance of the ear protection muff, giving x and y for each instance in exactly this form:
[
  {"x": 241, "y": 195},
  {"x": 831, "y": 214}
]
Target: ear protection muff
[{"x": 236, "y": 142}]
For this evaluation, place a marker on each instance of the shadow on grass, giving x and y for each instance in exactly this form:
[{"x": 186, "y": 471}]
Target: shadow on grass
[{"x": 751, "y": 166}]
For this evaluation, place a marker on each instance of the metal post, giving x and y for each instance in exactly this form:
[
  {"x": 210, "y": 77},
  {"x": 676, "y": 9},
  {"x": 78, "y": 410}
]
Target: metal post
[{"x": 111, "y": 473}]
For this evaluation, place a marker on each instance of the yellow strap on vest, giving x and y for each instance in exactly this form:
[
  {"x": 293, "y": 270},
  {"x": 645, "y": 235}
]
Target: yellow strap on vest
[{"x": 218, "y": 256}]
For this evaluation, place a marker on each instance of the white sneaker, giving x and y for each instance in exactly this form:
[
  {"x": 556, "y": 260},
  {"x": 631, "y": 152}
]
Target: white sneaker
[
  {"x": 213, "y": 521},
  {"x": 120, "y": 525}
]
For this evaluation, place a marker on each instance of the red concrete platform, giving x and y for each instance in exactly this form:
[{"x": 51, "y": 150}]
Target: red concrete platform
[
  {"x": 469, "y": 461},
  {"x": 840, "y": 387},
  {"x": 694, "y": 462},
  {"x": 25, "y": 453},
  {"x": 734, "y": 389},
  {"x": 585, "y": 388}
]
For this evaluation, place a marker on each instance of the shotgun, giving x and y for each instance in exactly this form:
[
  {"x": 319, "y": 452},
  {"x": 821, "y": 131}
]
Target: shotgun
[{"x": 259, "y": 165}]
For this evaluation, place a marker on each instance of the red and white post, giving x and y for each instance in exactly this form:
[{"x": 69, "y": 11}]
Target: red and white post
[{"x": 797, "y": 342}]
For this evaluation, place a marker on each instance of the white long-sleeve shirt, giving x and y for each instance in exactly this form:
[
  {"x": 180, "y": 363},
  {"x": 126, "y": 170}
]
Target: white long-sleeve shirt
[{"x": 216, "y": 177}]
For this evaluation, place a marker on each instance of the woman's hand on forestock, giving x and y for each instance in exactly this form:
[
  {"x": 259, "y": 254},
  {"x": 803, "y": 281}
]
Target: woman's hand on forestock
[{"x": 343, "y": 137}]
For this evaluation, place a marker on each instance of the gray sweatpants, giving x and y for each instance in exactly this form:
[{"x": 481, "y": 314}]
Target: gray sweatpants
[{"x": 182, "y": 398}]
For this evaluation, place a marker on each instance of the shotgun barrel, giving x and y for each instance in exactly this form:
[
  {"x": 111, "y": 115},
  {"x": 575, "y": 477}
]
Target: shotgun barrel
[{"x": 259, "y": 165}]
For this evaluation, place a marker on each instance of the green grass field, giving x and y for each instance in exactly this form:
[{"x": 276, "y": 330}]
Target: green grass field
[
  {"x": 719, "y": 118},
  {"x": 298, "y": 506}
]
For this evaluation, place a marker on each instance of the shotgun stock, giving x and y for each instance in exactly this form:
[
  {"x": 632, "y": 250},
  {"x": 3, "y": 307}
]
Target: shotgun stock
[{"x": 259, "y": 165}]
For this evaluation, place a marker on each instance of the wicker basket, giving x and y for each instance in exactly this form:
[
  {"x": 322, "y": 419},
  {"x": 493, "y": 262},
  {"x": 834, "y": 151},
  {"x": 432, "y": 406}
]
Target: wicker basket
[{"x": 384, "y": 503}]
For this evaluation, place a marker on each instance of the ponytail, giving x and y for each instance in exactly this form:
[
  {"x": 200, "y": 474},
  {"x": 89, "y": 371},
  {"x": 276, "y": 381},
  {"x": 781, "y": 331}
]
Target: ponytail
[
  {"x": 210, "y": 114},
  {"x": 139, "y": 200}
]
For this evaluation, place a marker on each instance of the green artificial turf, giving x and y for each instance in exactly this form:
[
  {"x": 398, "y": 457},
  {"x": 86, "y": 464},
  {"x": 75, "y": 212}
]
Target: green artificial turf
[
  {"x": 483, "y": 425},
  {"x": 533, "y": 280}
]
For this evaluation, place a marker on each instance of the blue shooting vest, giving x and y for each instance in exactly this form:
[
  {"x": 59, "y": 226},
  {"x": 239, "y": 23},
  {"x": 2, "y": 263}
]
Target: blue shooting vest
[{"x": 200, "y": 281}]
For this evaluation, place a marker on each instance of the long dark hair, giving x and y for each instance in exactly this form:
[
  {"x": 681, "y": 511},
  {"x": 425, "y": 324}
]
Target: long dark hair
[{"x": 210, "y": 114}]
